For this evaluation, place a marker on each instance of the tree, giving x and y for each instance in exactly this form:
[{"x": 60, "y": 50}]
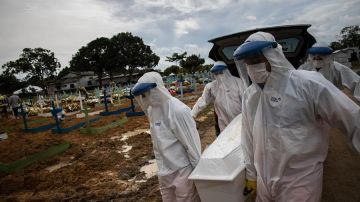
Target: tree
[
  {"x": 122, "y": 53},
  {"x": 9, "y": 83},
  {"x": 206, "y": 67},
  {"x": 37, "y": 63},
  {"x": 172, "y": 69},
  {"x": 336, "y": 45},
  {"x": 92, "y": 57},
  {"x": 63, "y": 72},
  {"x": 192, "y": 63},
  {"x": 129, "y": 52},
  {"x": 350, "y": 36},
  {"x": 176, "y": 57}
]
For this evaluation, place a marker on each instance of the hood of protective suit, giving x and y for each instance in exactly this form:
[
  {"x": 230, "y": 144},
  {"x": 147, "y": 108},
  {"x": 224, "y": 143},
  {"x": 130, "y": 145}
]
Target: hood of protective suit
[
  {"x": 176, "y": 142},
  {"x": 219, "y": 70},
  {"x": 226, "y": 94},
  {"x": 336, "y": 73},
  {"x": 321, "y": 60},
  {"x": 320, "y": 57},
  {"x": 225, "y": 79},
  {"x": 154, "y": 96},
  {"x": 274, "y": 55}
]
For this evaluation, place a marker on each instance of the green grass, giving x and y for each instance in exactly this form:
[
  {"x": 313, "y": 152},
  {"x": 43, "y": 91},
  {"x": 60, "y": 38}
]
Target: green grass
[
  {"x": 99, "y": 130},
  {"x": 28, "y": 160},
  {"x": 355, "y": 64},
  {"x": 38, "y": 121}
]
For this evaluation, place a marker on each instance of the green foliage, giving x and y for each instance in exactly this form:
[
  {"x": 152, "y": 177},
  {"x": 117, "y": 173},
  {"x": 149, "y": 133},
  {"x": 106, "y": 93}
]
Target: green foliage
[
  {"x": 37, "y": 63},
  {"x": 92, "y": 57},
  {"x": 206, "y": 67},
  {"x": 349, "y": 37},
  {"x": 129, "y": 52},
  {"x": 172, "y": 69},
  {"x": 9, "y": 83},
  {"x": 176, "y": 57},
  {"x": 192, "y": 63},
  {"x": 122, "y": 53},
  {"x": 336, "y": 45},
  {"x": 63, "y": 72}
]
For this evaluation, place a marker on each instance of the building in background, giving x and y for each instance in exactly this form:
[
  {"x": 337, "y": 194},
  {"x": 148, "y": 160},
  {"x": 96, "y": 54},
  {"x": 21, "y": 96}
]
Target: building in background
[
  {"x": 88, "y": 79},
  {"x": 346, "y": 56}
]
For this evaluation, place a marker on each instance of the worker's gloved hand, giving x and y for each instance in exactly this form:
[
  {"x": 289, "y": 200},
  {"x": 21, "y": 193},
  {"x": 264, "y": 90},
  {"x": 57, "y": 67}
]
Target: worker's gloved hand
[{"x": 250, "y": 187}]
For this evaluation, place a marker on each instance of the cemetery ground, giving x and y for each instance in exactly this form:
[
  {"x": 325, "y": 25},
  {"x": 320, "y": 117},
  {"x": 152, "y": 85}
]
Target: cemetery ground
[{"x": 109, "y": 166}]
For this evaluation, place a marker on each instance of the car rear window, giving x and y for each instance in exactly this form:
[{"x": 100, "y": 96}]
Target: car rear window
[{"x": 289, "y": 45}]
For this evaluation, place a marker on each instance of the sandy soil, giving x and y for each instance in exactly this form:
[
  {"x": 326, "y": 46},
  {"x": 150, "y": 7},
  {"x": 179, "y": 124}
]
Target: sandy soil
[{"x": 96, "y": 168}]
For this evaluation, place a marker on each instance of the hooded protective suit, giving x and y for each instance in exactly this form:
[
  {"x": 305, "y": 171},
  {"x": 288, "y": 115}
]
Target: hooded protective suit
[
  {"x": 226, "y": 95},
  {"x": 338, "y": 74},
  {"x": 176, "y": 142},
  {"x": 286, "y": 128}
]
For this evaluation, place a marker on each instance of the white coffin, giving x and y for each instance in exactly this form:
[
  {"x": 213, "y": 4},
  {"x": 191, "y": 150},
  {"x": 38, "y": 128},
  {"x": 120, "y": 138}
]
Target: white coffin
[{"x": 220, "y": 173}]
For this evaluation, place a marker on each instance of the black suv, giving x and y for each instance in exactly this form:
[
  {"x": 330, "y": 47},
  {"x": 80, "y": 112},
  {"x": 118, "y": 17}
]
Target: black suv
[{"x": 295, "y": 40}]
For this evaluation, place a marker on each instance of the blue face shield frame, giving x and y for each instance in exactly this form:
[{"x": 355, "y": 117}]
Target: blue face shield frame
[
  {"x": 141, "y": 88},
  {"x": 320, "y": 51},
  {"x": 252, "y": 48},
  {"x": 218, "y": 68}
]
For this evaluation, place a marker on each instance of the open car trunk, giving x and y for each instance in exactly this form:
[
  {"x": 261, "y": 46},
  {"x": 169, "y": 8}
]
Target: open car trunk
[{"x": 295, "y": 40}]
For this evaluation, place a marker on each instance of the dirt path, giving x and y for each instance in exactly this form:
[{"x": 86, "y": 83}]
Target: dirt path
[{"x": 341, "y": 171}]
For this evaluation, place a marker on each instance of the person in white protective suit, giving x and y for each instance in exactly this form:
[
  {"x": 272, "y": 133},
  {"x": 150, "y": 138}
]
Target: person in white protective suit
[
  {"x": 225, "y": 92},
  {"x": 320, "y": 60},
  {"x": 176, "y": 141},
  {"x": 286, "y": 119}
]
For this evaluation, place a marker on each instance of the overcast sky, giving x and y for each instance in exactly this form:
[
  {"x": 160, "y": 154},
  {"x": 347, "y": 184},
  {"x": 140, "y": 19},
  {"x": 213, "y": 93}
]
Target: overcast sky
[{"x": 168, "y": 26}]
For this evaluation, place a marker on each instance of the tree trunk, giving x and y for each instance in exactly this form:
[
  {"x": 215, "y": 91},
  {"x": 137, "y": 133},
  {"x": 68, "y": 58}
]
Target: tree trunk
[
  {"x": 130, "y": 71},
  {"x": 111, "y": 76},
  {"x": 43, "y": 85},
  {"x": 100, "y": 80}
]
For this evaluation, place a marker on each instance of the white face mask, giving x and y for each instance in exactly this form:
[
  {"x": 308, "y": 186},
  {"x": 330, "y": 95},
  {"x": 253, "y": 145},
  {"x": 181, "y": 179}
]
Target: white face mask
[
  {"x": 220, "y": 77},
  {"x": 155, "y": 98},
  {"x": 257, "y": 72},
  {"x": 319, "y": 64}
]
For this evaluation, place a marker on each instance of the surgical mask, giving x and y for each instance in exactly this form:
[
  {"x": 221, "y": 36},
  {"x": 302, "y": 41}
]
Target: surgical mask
[
  {"x": 257, "y": 72},
  {"x": 318, "y": 64},
  {"x": 220, "y": 77},
  {"x": 155, "y": 98}
]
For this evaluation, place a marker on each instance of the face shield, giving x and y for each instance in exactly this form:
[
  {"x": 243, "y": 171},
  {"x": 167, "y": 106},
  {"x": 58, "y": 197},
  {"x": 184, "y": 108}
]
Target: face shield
[
  {"x": 250, "y": 61},
  {"x": 219, "y": 76},
  {"x": 141, "y": 91},
  {"x": 320, "y": 57},
  {"x": 244, "y": 76},
  {"x": 155, "y": 97},
  {"x": 218, "y": 71}
]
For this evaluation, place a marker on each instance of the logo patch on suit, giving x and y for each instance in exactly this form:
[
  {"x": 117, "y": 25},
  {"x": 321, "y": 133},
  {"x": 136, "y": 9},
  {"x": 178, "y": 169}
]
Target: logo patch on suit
[
  {"x": 275, "y": 100},
  {"x": 158, "y": 124}
]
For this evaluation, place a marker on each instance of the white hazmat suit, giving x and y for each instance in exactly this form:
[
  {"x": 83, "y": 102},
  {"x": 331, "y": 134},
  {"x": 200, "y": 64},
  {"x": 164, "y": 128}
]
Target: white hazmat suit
[
  {"x": 176, "y": 142},
  {"x": 225, "y": 92},
  {"x": 338, "y": 74},
  {"x": 286, "y": 128}
]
